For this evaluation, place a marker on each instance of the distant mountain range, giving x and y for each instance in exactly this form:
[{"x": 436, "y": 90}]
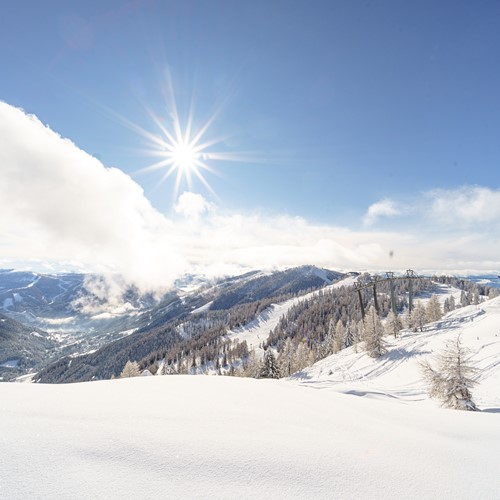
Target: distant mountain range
[{"x": 49, "y": 305}]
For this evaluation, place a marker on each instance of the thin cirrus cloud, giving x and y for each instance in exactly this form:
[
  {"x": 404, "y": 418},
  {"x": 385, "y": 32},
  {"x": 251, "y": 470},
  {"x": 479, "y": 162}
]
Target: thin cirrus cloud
[{"x": 60, "y": 205}]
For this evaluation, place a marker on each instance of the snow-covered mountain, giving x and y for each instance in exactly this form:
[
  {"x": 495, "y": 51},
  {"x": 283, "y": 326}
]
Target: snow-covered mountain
[{"x": 72, "y": 309}]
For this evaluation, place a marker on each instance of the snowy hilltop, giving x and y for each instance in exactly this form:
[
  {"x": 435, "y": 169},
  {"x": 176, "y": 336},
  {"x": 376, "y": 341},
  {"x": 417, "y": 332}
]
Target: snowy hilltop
[{"x": 397, "y": 373}]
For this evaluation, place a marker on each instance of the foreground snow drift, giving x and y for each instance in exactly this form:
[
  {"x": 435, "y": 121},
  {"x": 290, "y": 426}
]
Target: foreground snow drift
[{"x": 221, "y": 437}]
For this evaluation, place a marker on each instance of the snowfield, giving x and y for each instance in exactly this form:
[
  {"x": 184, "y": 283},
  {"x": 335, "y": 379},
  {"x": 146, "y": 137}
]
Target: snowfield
[
  {"x": 222, "y": 437},
  {"x": 367, "y": 431}
]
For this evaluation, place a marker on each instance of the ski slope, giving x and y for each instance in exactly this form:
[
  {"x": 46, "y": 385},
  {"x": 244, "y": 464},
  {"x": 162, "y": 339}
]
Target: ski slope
[{"x": 257, "y": 331}]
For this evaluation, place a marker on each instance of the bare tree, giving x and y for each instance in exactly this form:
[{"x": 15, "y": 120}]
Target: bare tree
[
  {"x": 451, "y": 381},
  {"x": 373, "y": 332},
  {"x": 131, "y": 369},
  {"x": 433, "y": 309},
  {"x": 393, "y": 324}
]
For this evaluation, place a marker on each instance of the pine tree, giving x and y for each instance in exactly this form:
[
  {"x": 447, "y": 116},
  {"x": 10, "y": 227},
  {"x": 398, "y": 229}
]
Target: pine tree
[
  {"x": 373, "y": 332},
  {"x": 349, "y": 336},
  {"x": 131, "y": 369},
  {"x": 433, "y": 310},
  {"x": 270, "y": 367},
  {"x": 451, "y": 382},
  {"x": 393, "y": 324}
]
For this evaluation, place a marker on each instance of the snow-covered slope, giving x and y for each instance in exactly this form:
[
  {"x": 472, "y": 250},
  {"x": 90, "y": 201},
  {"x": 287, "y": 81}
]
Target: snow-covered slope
[
  {"x": 397, "y": 374},
  {"x": 225, "y": 438}
]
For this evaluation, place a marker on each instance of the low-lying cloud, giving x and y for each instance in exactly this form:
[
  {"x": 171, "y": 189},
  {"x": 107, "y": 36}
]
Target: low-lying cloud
[{"x": 59, "y": 204}]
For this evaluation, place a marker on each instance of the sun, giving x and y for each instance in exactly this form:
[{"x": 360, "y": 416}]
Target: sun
[
  {"x": 182, "y": 149},
  {"x": 184, "y": 156}
]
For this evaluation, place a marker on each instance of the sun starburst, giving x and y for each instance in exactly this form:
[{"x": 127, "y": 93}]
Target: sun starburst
[{"x": 183, "y": 151}]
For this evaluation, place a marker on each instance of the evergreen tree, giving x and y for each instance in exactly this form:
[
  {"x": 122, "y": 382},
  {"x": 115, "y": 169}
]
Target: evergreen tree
[
  {"x": 270, "y": 367},
  {"x": 451, "y": 382},
  {"x": 349, "y": 336},
  {"x": 373, "y": 332}
]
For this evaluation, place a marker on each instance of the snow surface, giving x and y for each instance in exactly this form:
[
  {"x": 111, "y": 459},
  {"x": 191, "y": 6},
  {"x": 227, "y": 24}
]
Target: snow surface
[{"x": 226, "y": 438}]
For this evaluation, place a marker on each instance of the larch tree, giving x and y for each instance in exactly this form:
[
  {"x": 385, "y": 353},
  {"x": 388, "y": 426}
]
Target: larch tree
[
  {"x": 131, "y": 369},
  {"x": 433, "y": 309},
  {"x": 339, "y": 338},
  {"x": 373, "y": 332},
  {"x": 286, "y": 359},
  {"x": 451, "y": 381},
  {"x": 252, "y": 366},
  {"x": 393, "y": 324},
  {"x": 419, "y": 317}
]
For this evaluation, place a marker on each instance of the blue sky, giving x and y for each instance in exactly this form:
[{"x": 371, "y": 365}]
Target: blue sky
[{"x": 347, "y": 104}]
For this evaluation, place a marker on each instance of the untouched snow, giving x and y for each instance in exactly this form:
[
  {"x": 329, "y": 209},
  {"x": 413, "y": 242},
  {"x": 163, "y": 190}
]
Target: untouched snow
[{"x": 225, "y": 438}]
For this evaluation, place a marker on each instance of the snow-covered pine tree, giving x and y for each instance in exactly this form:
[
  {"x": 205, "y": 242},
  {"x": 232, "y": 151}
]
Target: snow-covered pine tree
[
  {"x": 451, "y": 381},
  {"x": 270, "y": 367},
  {"x": 349, "y": 338},
  {"x": 433, "y": 310},
  {"x": 373, "y": 332},
  {"x": 393, "y": 324},
  {"x": 131, "y": 369},
  {"x": 326, "y": 348}
]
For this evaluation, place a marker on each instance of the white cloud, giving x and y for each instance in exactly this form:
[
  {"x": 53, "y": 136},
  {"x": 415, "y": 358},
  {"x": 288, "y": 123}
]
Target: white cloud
[
  {"x": 466, "y": 205},
  {"x": 192, "y": 205},
  {"x": 382, "y": 208},
  {"x": 60, "y": 205}
]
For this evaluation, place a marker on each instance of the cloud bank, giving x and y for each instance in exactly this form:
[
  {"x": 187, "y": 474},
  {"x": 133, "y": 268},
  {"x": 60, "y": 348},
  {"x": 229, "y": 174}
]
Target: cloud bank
[{"x": 58, "y": 204}]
